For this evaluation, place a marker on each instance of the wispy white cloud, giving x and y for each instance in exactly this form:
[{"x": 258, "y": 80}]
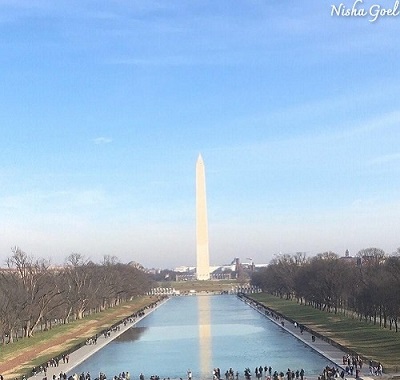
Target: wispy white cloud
[
  {"x": 102, "y": 15},
  {"x": 216, "y": 58},
  {"x": 25, "y": 4},
  {"x": 102, "y": 140},
  {"x": 385, "y": 159},
  {"x": 388, "y": 119},
  {"x": 360, "y": 204},
  {"x": 323, "y": 119},
  {"x": 58, "y": 200},
  {"x": 321, "y": 136}
]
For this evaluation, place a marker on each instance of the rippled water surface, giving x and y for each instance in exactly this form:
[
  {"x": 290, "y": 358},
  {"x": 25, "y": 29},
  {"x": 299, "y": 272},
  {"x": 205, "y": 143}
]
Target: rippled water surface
[{"x": 201, "y": 333}]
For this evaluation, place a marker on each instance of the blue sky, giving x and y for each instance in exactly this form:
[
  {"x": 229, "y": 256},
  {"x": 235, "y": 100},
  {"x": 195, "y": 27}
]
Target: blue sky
[{"x": 105, "y": 106}]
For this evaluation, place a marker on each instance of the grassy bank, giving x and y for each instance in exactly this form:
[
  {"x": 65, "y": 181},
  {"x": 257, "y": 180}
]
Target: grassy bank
[
  {"x": 366, "y": 339},
  {"x": 31, "y": 352}
]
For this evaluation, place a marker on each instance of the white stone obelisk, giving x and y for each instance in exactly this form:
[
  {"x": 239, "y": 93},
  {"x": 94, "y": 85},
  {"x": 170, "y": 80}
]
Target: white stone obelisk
[{"x": 203, "y": 260}]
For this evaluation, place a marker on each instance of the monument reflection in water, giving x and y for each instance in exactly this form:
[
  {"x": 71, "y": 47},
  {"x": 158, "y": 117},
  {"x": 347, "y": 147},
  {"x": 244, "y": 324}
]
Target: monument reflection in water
[
  {"x": 201, "y": 333},
  {"x": 205, "y": 347}
]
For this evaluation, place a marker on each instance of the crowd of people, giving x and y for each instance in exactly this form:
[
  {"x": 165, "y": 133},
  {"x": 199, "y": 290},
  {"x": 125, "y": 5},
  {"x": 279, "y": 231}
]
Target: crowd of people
[
  {"x": 354, "y": 364},
  {"x": 261, "y": 372},
  {"x": 53, "y": 362}
]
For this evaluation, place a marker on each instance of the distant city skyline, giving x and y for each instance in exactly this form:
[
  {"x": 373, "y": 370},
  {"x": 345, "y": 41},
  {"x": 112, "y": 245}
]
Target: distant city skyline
[{"x": 105, "y": 106}]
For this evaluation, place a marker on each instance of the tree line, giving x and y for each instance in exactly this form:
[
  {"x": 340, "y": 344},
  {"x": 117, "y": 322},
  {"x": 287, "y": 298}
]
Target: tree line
[
  {"x": 366, "y": 286},
  {"x": 35, "y": 296}
]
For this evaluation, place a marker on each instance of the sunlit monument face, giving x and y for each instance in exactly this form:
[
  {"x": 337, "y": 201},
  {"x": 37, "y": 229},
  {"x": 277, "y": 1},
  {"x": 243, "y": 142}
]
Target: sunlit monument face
[{"x": 203, "y": 260}]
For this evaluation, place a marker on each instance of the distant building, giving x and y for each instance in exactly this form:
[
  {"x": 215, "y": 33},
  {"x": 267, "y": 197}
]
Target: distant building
[{"x": 349, "y": 259}]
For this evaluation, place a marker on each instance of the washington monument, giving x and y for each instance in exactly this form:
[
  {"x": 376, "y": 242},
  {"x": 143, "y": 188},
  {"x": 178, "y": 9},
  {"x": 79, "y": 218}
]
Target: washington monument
[{"x": 203, "y": 260}]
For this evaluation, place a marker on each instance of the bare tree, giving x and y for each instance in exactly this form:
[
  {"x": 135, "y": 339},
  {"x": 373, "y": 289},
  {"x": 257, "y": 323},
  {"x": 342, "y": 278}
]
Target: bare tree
[
  {"x": 36, "y": 287},
  {"x": 80, "y": 285},
  {"x": 372, "y": 256},
  {"x": 32, "y": 293}
]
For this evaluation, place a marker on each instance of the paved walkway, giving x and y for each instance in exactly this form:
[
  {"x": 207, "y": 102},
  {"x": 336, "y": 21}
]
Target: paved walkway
[
  {"x": 332, "y": 353},
  {"x": 80, "y": 355}
]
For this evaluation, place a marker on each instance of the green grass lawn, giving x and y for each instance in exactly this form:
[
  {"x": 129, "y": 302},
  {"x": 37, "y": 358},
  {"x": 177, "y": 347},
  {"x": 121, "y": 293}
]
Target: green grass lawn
[{"x": 366, "y": 339}]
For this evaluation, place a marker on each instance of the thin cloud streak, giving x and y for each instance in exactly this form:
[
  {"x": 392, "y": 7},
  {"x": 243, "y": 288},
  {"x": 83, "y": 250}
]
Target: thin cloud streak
[
  {"x": 102, "y": 140},
  {"x": 385, "y": 159},
  {"x": 55, "y": 200}
]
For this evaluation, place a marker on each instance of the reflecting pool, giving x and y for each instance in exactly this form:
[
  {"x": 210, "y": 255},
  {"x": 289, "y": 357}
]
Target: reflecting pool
[{"x": 201, "y": 333}]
